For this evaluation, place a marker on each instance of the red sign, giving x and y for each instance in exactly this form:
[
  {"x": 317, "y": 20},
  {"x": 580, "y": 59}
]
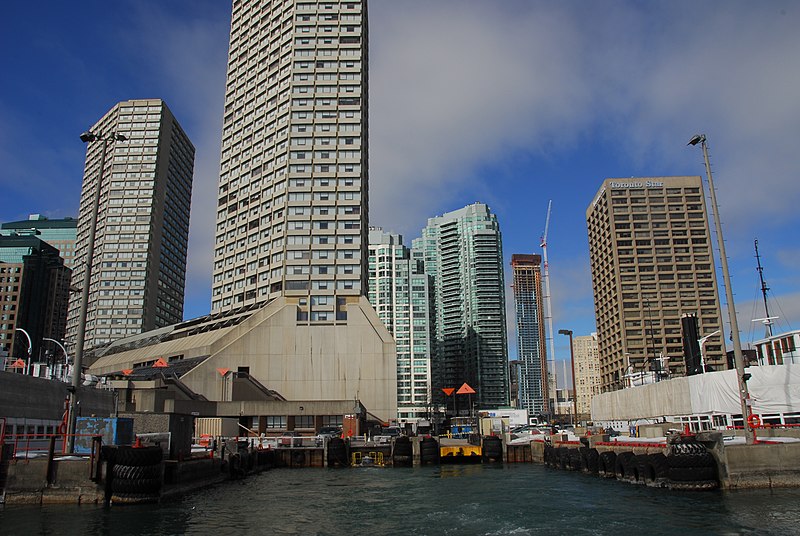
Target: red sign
[
  {"x": 19, "y": 363},
  {"x": 465, "y": 390},
  {"x": 127, "y": 371},
  {"x": 448, "y": 390},
  {"x": 160, "y": 363},
  {"x": 223, "y": 371}
]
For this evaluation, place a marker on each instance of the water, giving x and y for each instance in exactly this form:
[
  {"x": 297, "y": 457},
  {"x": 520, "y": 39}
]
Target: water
[{"x": 449, "y": 500}]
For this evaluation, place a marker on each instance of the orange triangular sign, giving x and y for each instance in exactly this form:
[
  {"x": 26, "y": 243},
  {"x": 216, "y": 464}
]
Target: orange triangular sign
[
  {"x": 19, "y": 363},
  {"x": 465, "y": 390},
  {"x": 223, "y": 371},
  {"x": 127, "y": 371},
  {"x": 448, "y": 390},
  {"x": 160, "y": 363}
]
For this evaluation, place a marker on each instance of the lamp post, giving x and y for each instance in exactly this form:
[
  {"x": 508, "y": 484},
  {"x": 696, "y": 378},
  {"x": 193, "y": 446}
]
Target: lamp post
[
  {"x": 738, "y": 358},
  {"x": 702, "y": 341},
  {"x": 30, "y": 349},
  {"x": 87, "y": 137},
  {"x": 572, "y": 361},
  {"x": 66, "y": 357}
]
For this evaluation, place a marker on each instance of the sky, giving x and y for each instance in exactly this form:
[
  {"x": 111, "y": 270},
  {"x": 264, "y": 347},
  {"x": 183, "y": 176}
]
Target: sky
[{"x": 512, "y": 103}]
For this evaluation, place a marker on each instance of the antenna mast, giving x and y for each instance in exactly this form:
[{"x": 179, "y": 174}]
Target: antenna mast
[
  {"x": 764, "y": 289},
  {"x": 549, "y": 306}
]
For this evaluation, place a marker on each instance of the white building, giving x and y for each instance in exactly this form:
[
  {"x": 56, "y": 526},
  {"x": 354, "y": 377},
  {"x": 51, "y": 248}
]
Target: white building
[
  {"x": 399, "y": 290},
  {"x": 779, "y": 349}
]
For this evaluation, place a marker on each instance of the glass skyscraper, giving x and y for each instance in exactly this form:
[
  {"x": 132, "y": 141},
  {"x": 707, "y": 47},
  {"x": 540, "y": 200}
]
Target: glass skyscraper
[
  {"x": 462, "y": 252},
  {"x": 529, "y": 307}
]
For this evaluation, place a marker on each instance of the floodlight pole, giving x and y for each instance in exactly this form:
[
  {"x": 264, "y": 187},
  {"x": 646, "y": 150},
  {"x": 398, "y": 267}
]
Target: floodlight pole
[{"x": 738, "y": 357}]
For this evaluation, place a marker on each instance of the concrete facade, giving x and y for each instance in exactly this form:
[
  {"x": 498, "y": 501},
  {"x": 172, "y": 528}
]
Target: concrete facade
[
  {"x": 652, "y": 261},
  {"x": 587, "y": 377},
  {"x": 293, "y": 184},
  {"x": 331, "y": 361},
  {"x": 27, "y": 397},
  {"x": 142, "y": 226}
]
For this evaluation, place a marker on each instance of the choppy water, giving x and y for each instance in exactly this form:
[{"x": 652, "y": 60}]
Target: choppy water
[{"x": 449, "y": 500}]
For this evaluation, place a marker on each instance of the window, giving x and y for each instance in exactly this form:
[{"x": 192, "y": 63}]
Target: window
[
  {"x": 273, "y": 422},
  {"x": 303, "y": 421}
]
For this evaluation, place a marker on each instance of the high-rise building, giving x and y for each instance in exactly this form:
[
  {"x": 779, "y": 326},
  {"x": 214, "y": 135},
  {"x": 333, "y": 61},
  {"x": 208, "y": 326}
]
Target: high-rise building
[
  {"x": 142, "y": 227},
  {"x": 587, "y": 377},
  {"x": 34, "y": 284},
  {"x": 462, "y": 252},
  {"x": 529, "y": 307},
  {"x": 399, "y": 290},
  {"x": 652, "y": 261},
  {"x": 60, "y": 233},
  {"x": 293, "y": 186}
]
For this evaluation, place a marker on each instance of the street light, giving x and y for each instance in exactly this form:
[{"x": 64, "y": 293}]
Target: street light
[
  {"x": 30, "y": 349},
  {"x": 738, "y": 358},
  {"x": 702, "y": 342},
  {"x": 572, "y": 361},
  {"x": 66, "y": 357},
  {"x": 87, "y": 137}
]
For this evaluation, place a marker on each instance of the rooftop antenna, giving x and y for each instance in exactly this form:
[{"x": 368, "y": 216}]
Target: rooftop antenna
[
  {"x": 764, "y": 288},
  {"x": 548, "y": 304}
]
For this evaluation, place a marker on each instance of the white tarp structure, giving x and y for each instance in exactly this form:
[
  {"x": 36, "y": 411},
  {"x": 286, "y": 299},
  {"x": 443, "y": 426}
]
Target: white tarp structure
[{"x": 773, "y": 389}]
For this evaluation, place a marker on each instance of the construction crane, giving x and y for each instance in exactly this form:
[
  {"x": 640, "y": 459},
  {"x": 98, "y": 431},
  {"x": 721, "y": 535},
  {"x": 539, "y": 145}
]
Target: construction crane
[{"x": 549, "y": 306}]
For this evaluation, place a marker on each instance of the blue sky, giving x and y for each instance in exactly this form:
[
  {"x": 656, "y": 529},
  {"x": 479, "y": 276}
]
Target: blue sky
[{"x": 510, "y": 103}]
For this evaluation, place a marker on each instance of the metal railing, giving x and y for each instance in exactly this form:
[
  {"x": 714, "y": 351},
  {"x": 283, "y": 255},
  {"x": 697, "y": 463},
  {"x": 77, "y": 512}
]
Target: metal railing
[{"x": 28, "y": 446}]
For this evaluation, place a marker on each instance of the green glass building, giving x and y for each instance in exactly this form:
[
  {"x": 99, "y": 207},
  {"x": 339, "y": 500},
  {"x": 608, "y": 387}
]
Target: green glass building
[{"x": 462, "y": 252}]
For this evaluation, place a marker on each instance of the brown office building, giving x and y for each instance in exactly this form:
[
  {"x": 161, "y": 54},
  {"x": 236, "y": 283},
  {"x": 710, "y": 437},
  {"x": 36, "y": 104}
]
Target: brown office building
[{"x": 652, "y": 261}]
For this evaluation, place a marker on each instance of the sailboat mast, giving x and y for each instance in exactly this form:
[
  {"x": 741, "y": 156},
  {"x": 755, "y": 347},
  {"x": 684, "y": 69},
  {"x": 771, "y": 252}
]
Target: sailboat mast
[{"x": 764, "y": 289}]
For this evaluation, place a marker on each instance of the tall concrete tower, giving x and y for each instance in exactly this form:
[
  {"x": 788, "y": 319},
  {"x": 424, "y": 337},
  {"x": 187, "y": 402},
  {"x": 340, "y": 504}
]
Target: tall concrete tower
[
  {"x": 463, "y": 253},
  {"x": 529, "y": 306},
  {"x": 651, "y": 261},
  {"x": 142, "y": 227},
  {"x": 293, "y": 187}
]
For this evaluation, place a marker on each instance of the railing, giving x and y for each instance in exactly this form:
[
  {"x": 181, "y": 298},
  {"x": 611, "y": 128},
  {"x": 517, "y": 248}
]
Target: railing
[{"x": 27, "y": 446}]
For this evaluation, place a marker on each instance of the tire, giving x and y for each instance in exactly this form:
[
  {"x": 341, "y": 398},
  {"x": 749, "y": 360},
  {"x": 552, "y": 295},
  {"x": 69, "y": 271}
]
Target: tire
[
  {"x": 592, "y": 461},
  {"x": 704, "y": 459},
  {"x": 660, "y": 466},
  {"x": 139, "y": 457},
  {"x": 607, "y": 461},
  {"x": 136, "y": 485},
  {"x": 574, "y": 460},
  {"x": 563, "y": 458},
  {"x": 624, "y": 464},
  {"x": 583, "y": 452},
  {"x": 130, "y": 472},
  {"x": 692, "y": 474}
]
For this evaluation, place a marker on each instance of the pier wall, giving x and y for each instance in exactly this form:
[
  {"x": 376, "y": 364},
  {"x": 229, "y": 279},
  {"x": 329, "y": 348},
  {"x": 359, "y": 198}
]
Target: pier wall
[
  {"x": 760, "y": 466},
  {"x": 27, "y": 483}
]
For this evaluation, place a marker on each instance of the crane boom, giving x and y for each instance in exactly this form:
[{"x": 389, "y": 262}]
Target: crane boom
[{"x": 549, "y": 306}]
